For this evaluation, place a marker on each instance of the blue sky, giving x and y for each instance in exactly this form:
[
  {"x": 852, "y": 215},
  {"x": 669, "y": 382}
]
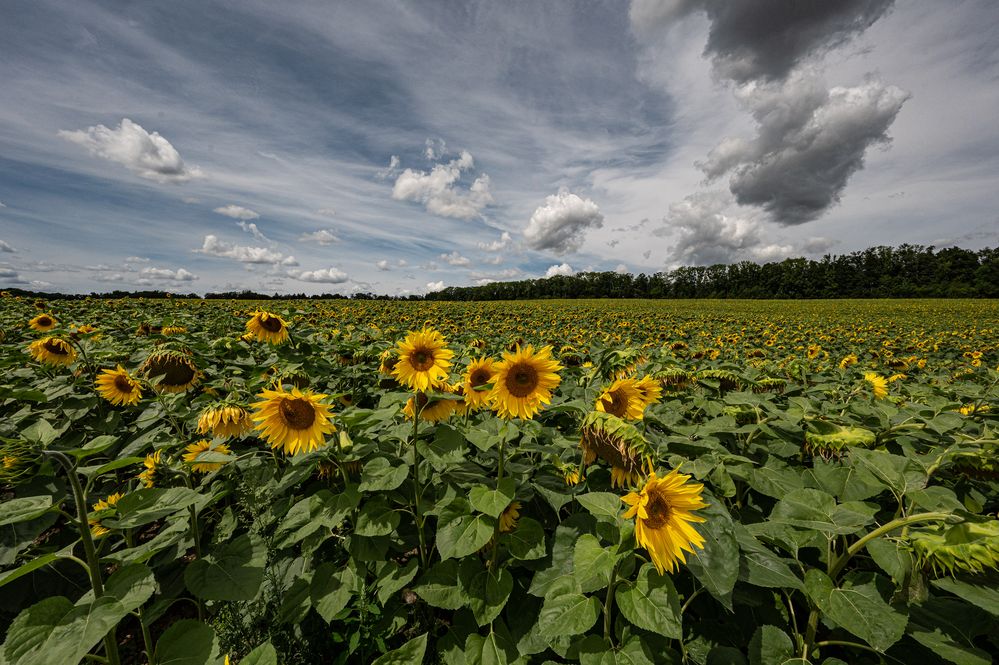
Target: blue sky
[{"x": 399, "y": 147}]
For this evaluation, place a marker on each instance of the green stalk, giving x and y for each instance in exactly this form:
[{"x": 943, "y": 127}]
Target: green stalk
[
  {"x": 416, "y": 482},
  {"x": 609, "y": 607}
]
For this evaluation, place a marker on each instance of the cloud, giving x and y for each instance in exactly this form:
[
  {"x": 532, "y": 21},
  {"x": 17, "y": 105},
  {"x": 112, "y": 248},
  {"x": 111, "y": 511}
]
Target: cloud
[
  {"x": 237, "y": 212},
  {"x": 809, "y": 142},
  {"x": 5, "y": 247},
  {"x": 2, "y": 204},
  {"x": 818, "y": 245},
  {"x": 497, "y": 245},
  {"x": 437, "y": 189},
  {"x": 564, "y": 269},
  {"x": 763, "y": 39},
  {"x": 148, "y": 155},
  {"x": 325, "y": 276},
  {"x": 11, "y": 276},
  {"x": 621, "y": 269},
  {"x": 706, "y": 235},
  {"x": 559, "y": 224},
  {"x": 179, "y": 275},
  {"x": 321, "y": 237},
  {"x": 392, "y": 169},
  {"x": 383, "y": 265},
  {"x": 251, "y": 228},
  {"x": 212, "y": 246},
  {"x": 136, "y": 259},
  {"x": 455, "y": 259},
  {"x": 435, "y": 286},
  {"x": 326, "y": 212}
]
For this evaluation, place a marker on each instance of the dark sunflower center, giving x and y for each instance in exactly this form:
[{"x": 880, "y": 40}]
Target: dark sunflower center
[
  {"x": 175, "y": 371},
  {"x": 521, "y": 380},
  {"x": 480, "y": 377},
  {"x": 123, "y": 384},
  {"x": 421, "y": 360},
  {"x": 44, "y": 321},
  {"x": 421, "y": 400},
  {"x": 298, "y": 413},
  {"x": 616, "y": 404},
  {"x": 271, "y": 324},
  {"x": 659, "y": 510},
  {"x": 56, "y": 347}
]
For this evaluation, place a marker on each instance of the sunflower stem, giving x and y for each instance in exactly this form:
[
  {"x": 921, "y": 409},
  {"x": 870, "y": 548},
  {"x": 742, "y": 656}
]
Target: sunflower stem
[
  {"x": 609, "y": 607},
  {"x": 196, "y": 537},
  {"x": 501, "y": 452},
  {"x": 416, "y": 483}
]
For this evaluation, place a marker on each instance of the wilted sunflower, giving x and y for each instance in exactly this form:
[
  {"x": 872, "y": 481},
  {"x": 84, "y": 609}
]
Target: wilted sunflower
[
  {"x": 431, "y": 412},
  {"x": 423, "y": 360},
  {"x": 117, "y": 387},
  {"x": 53, "y": 351},
  {"x": 616, "y": 442},
  {"x": 969, "y": 547},
  {"x": 195, "y": 449},
  {"x": 267, "y": 327},
  {"x": 43, "y": 322},
  {"x": 523, "y": 382},
  {"x": 103, "y": 506},
  {"x": 152, "y": 464},
  {"x": 508, "y": 518},
  {"x": 224, "y": 420},
  {"x": 878, "y": 383},
  {"x": 663, "y": 512},
  {"x": 848, "y": 359},
  {"x": 178, "y": 371},
  {"x": 295, "y": 421},
  {"x": 477, "y": 376},
  {"x": 622, "y": 399}
]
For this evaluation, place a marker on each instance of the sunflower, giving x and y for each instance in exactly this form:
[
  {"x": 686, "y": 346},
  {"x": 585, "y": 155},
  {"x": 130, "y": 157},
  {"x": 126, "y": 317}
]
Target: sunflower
[
  {"x": 195, "y": 449},
  {"x": 43, "y": 322},
  {"x": 296, "y": 421},
  {"x": 663, "y": 513},
  {"x": 968, "y": 547},
  {"x": 524, "y": 380},
  {"x": 224, "y": 421},
  {"x": 478, "y": 374},
  {"x": 431, "y": 412},
  {"x": 423, "y": 360},
  {"x": 177, "y": 370},
  {"x": 117, "y": 387},
  {"x": 848, "y": 359},
  {"x": 650, "y": 390},
  {"x": 878, "y": 383},
  {"x": 616, "y": 442},
  {"x": 387, "y": 362},
  {"x": 622, "y": 399},
  {"x": 103, "y": 506},
  {"x": 52, "y": 351},
  {"x": 267, "y": 327},
  {"x": 570, "y": 475},
  {"x": 508, "y": 518},
  {"x": 152, "y": 464}
]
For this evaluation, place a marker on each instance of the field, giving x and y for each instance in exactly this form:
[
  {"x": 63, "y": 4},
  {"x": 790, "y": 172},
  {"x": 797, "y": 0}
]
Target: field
[{"x": 706, "y": 482}]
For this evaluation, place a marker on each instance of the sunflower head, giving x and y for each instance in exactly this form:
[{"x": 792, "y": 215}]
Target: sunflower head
[
  {"x": 423, "y": 360},
  {"x": 224, "y": 420},
  {"x": 154, "y": 470},
  {"x": 828, "y": 439},
  {"x": 53, "y": 351},
  {"x": 969, "y": 547},
  {"x": 663, "y": 513},
  {"x": 616, "y": 442},
  {"x": 770, "y": 384},
  {"x": 103, "y": 508},
  {"x": 267, "y": 327},
  {"x": 195, "y": 450},
  {"x": 295, "y": 421},
  {"x": 673, "y": 379},
  {"x": 877, "y": 383},
  {"x": 118, "y": 387},
  {"x": 18, "y": 461},
  {"x": 508, "y": 518},
  {"x": 623, "y": 399},
  {"x": 43, "y": 322},
  {"x": 523, "y": 382},
  {"x": 431, "y": 410},
  {"x": 175, "y": 369},
  {"x": 726, "y": 379},
  {"x": 478, "y": 376}
]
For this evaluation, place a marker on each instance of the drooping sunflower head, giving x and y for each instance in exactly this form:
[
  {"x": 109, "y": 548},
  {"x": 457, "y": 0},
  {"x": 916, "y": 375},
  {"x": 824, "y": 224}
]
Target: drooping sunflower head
[
  {"x": 663, "y": 513},
  {"x": 423, "y": 360},
  {"x": 616, "y": 442},
  {"x": 224, "y": 420},
  {"x": 830, "y": 440},
  {"x": 18, "y": 461},
  {"x": 43, "y": 322},
  {"x": 387, "y": 361},
  {"x": 118, "y": 387},
  {"x": 153, "y": 469},
  {"x": 725, "y": 379},
  {"x": 431, "y": 410},
  {"x": 523, "y": 382},
  {"x": 53, "y": 351},
  {"x": 295, "y": 421},
  {"x": 770, "y": 384},
  {"x": 170, "y": 371},
  {"x": 267, "y": 327},
  {"x": 508, "y": 518},
  {"x": 102, "y": 509},
  {"x": 623, "y": 399},
  {"x": 969, "y": 547},
  {"x": 195, "y": 452},
  {"x": 673, "y": 379},
  {"x": 877, "y": 383},
  {"x": 478, "y": 375}
]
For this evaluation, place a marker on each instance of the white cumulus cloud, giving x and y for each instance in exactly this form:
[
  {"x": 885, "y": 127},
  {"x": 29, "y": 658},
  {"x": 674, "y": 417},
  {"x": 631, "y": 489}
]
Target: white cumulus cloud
[
  {"x": 455, "y": 259},
  {"x": 564, "y": 269},
  {"x": 435, "y": 286},
  {"x": 237, "y": 212},
  {"x": 213, "y": 246},
  {"x": 497, "y": 245},
  {"x": 322, "y": 276},
  {"x": 559, "y": 224},
  {"x": 439, "y": 192},
  {"x": 383, "y": 265},
  {"x": 320, "y": 237},
  {"x": 178, "y": 275},
  {"x": 5, "y": 247},
  {"x": 148, "y": 155}
]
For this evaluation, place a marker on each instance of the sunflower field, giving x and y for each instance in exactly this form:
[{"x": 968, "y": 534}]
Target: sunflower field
[{"x": 192, "y": 482}]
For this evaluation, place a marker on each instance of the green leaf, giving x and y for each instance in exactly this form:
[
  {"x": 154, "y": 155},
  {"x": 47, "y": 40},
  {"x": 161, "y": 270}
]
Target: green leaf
[
  {"x": 901, "y": 474},
  {"x": 381, "y": 474},
  {"x": 592, "y": 563},
  {"x": 148, "y": 505},
  {"x": 952, "y": 630},
  {"x": 411, "y": 653},
  {"x": 594, "y": 650},
  {"x": 96, "y": 445},
  {"x": 527, "y": 541},
  {"x": 602, "y": 504},
  {"x": 440, "y": 588},
  {"x": 486, "y": 591},
  {"x": 717, "y": 565},
  {"x": 40, "y": 433},
  {"x": 492, "y": 502},
  {"x": 651, "y": 603},
  {"x": 34, "y": 564},
  {"x": 262, "y": 655},
  {"x": 332, "y": 587},
  {"x": 892, "y": 556},
  {"x": 761, "y": 567},
  {"x": 567, "y": 614},
  {"x": 120, "y": 463},
  {"x": 977, "y": 592},
  {"x": 459, "y": 533},
  {"x": 321, "y": 510},
  {"x": 857, "y": 606},
  {"x": 815, "y": 509},
  {"x": 187, "y": 642},
  {"x": 496, "y": 648},
  {"x": 233, "y": 571},
  {"x": 24, "y": 509},
  {"x": 775, "y": 479},
  {"x": 770, "y": 646},
  {"x": 394, "y": 577},
  {"x": 376, "y": 519}
]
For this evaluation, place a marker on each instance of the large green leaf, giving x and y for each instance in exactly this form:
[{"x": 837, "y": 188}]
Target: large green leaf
[
  {"x": 717, "y": 565},
  {"x": 332, "y": 588},
  {"x": 818, "y": 510},
  {"x": 321, "y": 510},
  {"x": 952, "y": 629},
  {"x": 148, "y": 505},
  {"x": 411, "y": 653},
  {"x": 770, "y": 646},
  {"x": 24, "y": 509},
  {"x": 592, "y": 563},
  {"x": 602, "y": 504},
  {"x": 761, "y": 567},
  {"x": 527, "y": 541},
  {"x": 651, "y": 603},
  {"x": 440, "y": 587},
  {"x": 376, "y": 518},
  {"x": 567, "y": 614},
  {"x": 187, "y": 642},
  {"x": 265, "y": 654},
  {"x": 459, "y": 533},
  {"x": 486, "y": 591},
  {"x": 380, "y": 474},
  {"x": 392, "y": 577},
  {"x": 492, "y": 502},
  {"x": 233, "y": 571},
  {"x": 858, "y": 606},
  {"x": 981, "y": 592},
  {"x": 900, "y": 474}
]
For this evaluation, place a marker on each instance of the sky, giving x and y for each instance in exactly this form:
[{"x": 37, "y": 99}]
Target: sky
[{"x": 401, "y": 147}]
